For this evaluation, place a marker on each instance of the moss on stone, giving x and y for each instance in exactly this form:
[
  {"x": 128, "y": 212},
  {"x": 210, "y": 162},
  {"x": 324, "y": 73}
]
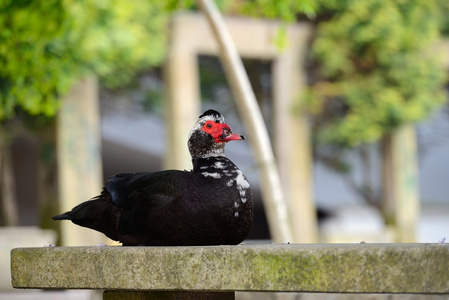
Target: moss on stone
[{"x": 359, "y": 268}]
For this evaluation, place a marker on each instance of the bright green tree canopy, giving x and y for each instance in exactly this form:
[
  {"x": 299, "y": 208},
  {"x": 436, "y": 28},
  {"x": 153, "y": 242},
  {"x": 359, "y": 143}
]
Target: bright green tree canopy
[
  {"x": 376, "y": 67},
  {"x": 45, "y": 46}
]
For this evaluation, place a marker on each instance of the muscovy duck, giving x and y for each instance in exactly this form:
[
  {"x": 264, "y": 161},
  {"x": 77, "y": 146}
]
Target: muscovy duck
[{"x": 210, "y": 205}]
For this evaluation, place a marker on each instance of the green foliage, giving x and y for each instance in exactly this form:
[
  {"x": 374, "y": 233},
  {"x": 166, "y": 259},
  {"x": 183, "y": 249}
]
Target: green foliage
[
  {"x": 286, "y": 10},
  {"x": 375, "y": 68},
  {"x": 45, "y": 46},
  {"x": 443, "y": 6},
  {"x": 172, "y": 5}
]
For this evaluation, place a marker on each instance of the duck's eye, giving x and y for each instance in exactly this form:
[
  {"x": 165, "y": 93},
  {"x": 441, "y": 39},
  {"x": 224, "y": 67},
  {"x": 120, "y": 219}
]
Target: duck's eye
[{"x": 209, "y": 125}]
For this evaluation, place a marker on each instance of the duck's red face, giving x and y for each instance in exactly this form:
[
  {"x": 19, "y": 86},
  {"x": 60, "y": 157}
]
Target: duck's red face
[{"x": 220, "y": 132}]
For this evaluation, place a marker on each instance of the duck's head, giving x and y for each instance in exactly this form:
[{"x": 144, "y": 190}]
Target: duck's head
[{"x": 209, "y": 135}]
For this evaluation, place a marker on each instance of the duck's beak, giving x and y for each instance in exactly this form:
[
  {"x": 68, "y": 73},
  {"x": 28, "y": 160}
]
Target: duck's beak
[{"x": 228, "y": 136}]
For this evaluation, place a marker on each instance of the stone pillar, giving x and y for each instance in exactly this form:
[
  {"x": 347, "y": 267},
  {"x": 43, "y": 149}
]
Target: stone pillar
[
  {"x": 183, "y": 99},
  {"x": 79, "y": 157},
  {"x": 400, "y": 204},
  {"x": 292, "y": 142}
]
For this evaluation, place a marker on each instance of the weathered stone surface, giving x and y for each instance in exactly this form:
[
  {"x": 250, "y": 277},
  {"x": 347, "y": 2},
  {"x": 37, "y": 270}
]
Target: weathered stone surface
[
  {"x": 347, "y": 268},
  {"x": 12, "y": 237}
]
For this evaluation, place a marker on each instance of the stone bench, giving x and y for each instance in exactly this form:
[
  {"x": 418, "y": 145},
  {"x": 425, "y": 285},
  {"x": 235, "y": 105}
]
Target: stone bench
[{"x": 216, "y": 272}]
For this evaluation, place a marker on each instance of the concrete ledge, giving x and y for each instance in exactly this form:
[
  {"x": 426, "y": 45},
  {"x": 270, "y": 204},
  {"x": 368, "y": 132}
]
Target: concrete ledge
[{"x": 336, "y": 268}]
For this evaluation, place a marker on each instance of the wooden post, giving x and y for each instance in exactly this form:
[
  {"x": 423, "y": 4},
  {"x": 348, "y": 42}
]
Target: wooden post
[
  {"x": 400, "y": 183},
  {"x": 79, "y": 160},
  {"x": 275, "y": 207}
]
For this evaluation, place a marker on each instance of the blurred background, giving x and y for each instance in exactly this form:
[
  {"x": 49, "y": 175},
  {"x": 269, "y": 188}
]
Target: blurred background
[{"x": 355, "y": 91}]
